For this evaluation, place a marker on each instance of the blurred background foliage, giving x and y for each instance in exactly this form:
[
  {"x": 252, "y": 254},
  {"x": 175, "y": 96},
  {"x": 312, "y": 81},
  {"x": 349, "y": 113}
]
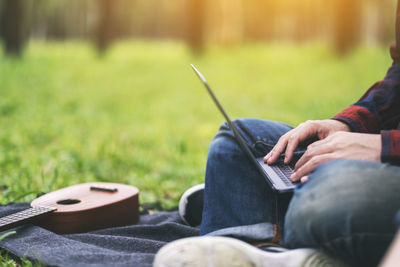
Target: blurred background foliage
[
  {"x": 101, "y": 90},
  {"x": 344, "y": 24}
]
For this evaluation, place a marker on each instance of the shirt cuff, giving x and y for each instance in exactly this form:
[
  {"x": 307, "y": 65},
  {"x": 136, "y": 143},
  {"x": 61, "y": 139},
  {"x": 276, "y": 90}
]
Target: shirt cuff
[
  {"x": 359, "y": 119},
  {"x": 391, "y": 147}
]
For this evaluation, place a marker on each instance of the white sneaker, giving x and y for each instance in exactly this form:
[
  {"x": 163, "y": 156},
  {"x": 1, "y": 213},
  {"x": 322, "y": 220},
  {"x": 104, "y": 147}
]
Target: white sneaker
[{"x": 228, "y": 252}]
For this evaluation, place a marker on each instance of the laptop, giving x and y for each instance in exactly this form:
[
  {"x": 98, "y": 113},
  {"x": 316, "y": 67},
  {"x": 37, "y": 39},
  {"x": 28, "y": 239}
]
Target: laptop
[{"x": 277, "y": 175}]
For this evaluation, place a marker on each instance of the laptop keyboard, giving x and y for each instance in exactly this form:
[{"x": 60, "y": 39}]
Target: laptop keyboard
[{"x": 284, "y": 172}]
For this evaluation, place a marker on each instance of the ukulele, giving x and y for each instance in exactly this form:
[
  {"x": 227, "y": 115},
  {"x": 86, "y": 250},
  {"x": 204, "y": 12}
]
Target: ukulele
[{"x": 80, "y": 208}]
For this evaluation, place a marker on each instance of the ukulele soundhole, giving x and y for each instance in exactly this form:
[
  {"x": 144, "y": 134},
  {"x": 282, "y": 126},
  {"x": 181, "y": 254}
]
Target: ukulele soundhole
[{"x": 68, "y": 201}]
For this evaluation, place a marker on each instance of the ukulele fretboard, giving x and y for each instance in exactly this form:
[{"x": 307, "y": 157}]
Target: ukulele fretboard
[{"x": 16, "y": 219}]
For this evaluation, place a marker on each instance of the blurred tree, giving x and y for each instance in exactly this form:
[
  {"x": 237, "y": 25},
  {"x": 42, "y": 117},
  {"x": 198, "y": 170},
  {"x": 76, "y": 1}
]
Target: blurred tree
[
  {"x": 260, "y": 16},
  {"x": 57, "y": 28},
  {"x": 305, "y": 18},
  {"x": 103, "y": 36},
  {"x": 77, "y": 18},
  {"x": 195, "y": 31},
  {"x": 228, "y": 21},
  {"x": 14, "y": 26},
  {"x": 347, "y": 24},
  {"x": 385, "y": 20},
  {"x": 39, "y": 16},
  {"x": 301, "y": 25}
]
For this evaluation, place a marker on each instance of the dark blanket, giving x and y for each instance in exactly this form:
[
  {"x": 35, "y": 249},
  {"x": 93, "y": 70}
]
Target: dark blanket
[{"x": 134, "y": 245}]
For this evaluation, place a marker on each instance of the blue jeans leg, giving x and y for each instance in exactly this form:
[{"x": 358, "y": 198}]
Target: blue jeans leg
[
  {"x": 347, "y": 208},
  {"x": 237, "y": 197}
]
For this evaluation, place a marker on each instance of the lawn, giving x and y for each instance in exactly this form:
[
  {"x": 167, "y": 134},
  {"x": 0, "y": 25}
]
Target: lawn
[{"x": 138, "y": 115}]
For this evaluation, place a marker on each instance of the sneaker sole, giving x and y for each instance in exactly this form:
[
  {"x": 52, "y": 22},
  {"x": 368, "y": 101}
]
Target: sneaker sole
[{"x": 229, "y": 252}]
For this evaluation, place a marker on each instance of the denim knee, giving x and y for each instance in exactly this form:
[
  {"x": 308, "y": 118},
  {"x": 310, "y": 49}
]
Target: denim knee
[
  {"x": 236, "y": 194},
  {"x": 346, "y": 208}
]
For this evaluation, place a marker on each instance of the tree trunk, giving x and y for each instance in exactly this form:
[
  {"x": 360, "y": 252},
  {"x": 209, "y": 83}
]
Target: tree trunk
[
  {"x": 347, "y": 24},
  {"x": 259, "y": 19},
  {"x": 385, "y": 17},
  {"x": 14, "y": 26},
  {"x": 195, "y": 25},
  {"x": 104, "y": 31}
]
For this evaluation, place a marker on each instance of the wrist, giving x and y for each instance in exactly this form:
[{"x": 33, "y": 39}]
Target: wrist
[{"x": 339, "y": 125}]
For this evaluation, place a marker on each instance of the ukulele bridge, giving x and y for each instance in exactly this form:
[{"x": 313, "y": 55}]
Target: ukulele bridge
[{"x": 103, "y": 189}]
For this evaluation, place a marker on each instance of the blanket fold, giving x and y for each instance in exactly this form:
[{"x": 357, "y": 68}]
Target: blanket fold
[{"x": 134, "y": 245}]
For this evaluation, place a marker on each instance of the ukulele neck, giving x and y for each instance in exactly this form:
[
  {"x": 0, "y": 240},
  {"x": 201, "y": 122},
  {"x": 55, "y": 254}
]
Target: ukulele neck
[{"x": 24, "y": 216}]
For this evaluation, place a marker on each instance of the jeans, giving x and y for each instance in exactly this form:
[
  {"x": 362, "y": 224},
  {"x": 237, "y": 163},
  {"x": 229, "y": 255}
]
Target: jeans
[{"x": 347, "y": 208}]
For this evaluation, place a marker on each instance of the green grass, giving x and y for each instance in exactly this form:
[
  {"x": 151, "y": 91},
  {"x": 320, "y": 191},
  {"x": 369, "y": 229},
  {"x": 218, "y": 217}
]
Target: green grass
[{"x": 139, "y": 115}]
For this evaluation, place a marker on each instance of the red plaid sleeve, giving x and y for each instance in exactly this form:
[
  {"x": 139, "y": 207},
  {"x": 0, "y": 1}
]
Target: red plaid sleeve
[
  {"x": 359, "y": 119},
  {"x": 391, "y": 147},
  {"x": 378, "y": 111}
]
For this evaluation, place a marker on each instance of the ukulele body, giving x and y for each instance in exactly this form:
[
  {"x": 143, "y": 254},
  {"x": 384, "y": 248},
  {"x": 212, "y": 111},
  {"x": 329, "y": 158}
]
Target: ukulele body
[{"x": 88, "y": 207}]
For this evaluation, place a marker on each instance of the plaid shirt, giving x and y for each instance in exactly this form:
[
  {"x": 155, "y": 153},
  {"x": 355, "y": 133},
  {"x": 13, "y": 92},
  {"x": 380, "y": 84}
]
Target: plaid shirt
[{"x": 378, "y": 111}]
